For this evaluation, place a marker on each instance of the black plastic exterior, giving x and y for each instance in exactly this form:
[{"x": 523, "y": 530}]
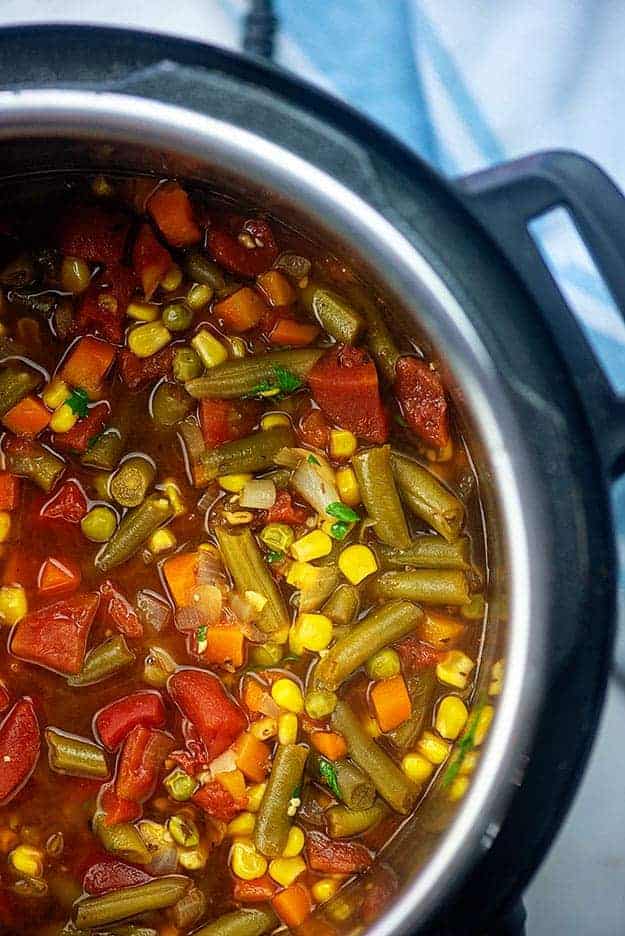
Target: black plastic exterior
[{"x": 451, "y": 229}]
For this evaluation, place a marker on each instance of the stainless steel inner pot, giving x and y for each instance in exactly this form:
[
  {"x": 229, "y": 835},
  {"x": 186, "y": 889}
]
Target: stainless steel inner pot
[{"x": 60, "y": 130}]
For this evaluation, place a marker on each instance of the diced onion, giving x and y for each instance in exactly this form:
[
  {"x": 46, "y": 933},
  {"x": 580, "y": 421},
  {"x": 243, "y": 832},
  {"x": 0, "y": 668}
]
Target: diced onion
[
  {"x": 152, "y": 610},
  {"x": 209, "y": 567},
  {"x": 242, "y": 609},
  {"x": 164, "y": 861},
  {"x": 258, "y": 494},
  {"x": 315, "y": 485},
  {"x": 224, "y": 763},
  {"x": 268, "y": 706},
  {"x": 189, "y": 619},
  {"x": 296, "y": 266}
]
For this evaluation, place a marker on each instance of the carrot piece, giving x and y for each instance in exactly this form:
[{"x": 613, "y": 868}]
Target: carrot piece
[
  {"x": 252, "y": 757},
  {"x": 9, "y": 490},
  {"x": 277, "y": 288},
  {"x": 293, "y": 905},
  {"x": 58, "y": 576},
  {"x": 27, "y": 418},
  {"x": 253, "y": 694},
  {"x": 150, "y": 260},
  {"x": 172, "y": 211},
  {"x": 441, "y": 630},
  {"x": 391, "y": 702},
  {"x": 233, "y": 782},
  {"x": 225, "y": 646},
  {"x": 242, "y": 310},
  {"x": 180, "y": 573},
  {"x": 88, "y": 363},
  {"x": 329, "y": 743},
  {"x": 290, "y": 332}
]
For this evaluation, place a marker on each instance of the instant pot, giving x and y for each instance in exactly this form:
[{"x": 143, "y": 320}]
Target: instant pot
[{"x": 547, "y": 431}]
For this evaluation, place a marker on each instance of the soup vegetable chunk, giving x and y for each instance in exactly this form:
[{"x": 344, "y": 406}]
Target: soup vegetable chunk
[{"x": 241, "y": 573}]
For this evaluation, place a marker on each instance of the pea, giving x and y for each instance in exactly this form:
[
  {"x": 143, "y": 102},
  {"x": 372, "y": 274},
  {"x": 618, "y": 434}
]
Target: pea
[
  {"x": 383, "y": 664},
  {"x": 99, "y": 524},
  {"x": 177, "y": 316}
]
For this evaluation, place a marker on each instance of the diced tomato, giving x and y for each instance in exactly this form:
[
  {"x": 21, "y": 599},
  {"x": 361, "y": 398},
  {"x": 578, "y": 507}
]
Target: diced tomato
[
  {"x": 9, "y": 490},
  {"x": 21, "y": 567},
  {"x": 55, "y": 637},
  {"x": 230, "y": 253},
  {"x": 5, "y": 698},
  {"x": 69, "y": 504},
  {"x": 114, "y": 722},
  {"x": 260, "y": 890},
  {"x": 138, "y": 373},
  {"x": 204, "y": 701},
  {"x": 217, "y": 802},
  {"x": 20, "y": 743},
  {"x": 415, "y": 655},
  {"x": 111, "y": 875},
  {"x": 103, "y": 306},
  {"x": 331, "y": 857},
  {"x": 172, "y": 211},
  {"x": 58, "y": 576},
  {"x": 93, "y": 232},
  {"x": 285, "y": 511},
  {"x": 226, "y": 420},
  {"x": 119, "y": 610},
  {"x": 312, "y": 427},
  {"x": 241, "y": 310},
  {"x": 378, "y": 892},
  {"x": 150, "y": 260},
  {"x": 344, "y": 383},
  {"x": 85, "y": 431},
  {"x": 117, "y": 809},
  {"x": 141, "y": 759},
  {"x": 420, "y": 393}
]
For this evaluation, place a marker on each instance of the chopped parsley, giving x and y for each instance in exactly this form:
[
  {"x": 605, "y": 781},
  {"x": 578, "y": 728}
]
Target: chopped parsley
[
  {"x": 328, "y": 775},
  {"x": 202, "y": 633},
  {"x": 342, "y": 512},
  {"x": 283, "y": 383},
  {"x": 339, "y": 530},
  {"x": 312, "y": 460},
  {"x": 78, "y": 402},
  {"x": 400, "y": 421},
  {"x": 466, "y": 744},
  {"x": 275, "y": 555}
]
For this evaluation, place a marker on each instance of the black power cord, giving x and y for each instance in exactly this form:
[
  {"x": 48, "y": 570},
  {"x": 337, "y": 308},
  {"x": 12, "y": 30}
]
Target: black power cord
[{"x": 259, "y": 29}]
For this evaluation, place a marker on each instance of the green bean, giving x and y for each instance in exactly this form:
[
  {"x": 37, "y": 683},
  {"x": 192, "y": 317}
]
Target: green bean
[
  {"x": 336, "y": 316},
  {"x": 379, "y": 628},
  {"x": 421, "y": 688},
  {"x": 254, "y": 452},
  {"x": 194, "y": 446},
  {"x": 426, "y": 586},
  {"x": 189, "y": 909},
  {"x": 250, "y": 921},
  {"x": 15, "y": 383},
  {"x": 202, "y": 270},
  {"x": 103, "y": 661},
  {"x": 242, "y": 377},
  {"x": 177, "y": 316},
  {"x": 131, "y": 481},
  {"x": 427, "y": 497},
  {"x": 187, "y": 364},
  {"x": 475, "y": 609},
  {"x": 427, "y": 552},
  {"x": 344, "y": 822},
  {"x": 90, "y": 912},
  {"x": 344, "y": 779},
  {"x": 390, "y": 782},
  {"x": 122, "y": 840},
  {"x": 380, "y": 342},
  {"x": 74, "y": 756},
  {"x": 380, "y": 497},
  {"x": 135, "y": 528},
  {"x": 273, "y": 821},
  {"x": 106, "y": 451},
  {"x": 170, "y": 404},
  {"x": 243, "y": 559},
  {"x": 133, "y": 931},
  {"x": 38, "y": 464},
  {"x": 342, "y": 605}
]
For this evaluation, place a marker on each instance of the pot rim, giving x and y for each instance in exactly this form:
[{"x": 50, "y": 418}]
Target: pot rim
[{"x": 105, "y": 116}]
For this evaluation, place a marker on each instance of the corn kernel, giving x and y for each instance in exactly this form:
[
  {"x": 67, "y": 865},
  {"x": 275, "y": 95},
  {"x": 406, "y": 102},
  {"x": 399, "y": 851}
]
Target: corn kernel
[
  {"x": 172, "y": 278},
  {"x": 301, "y": 574},
  {"x": 432, "y": 748},
  {"x": 199, "y": 295},
  {"x": 343, "y": 443},
  {"x": 311, "y": 546},
  {"x": 281, "y": 636},
  {"x": 469, "y": 763},
  {"x": 288, "y": 695},
  {"x": 278, "y": 536},
  {"x": 237, "y": 347},
  {"x": 242, "y": 825},
  {"x": 143, "y": 311},
  {"x": 146, "y": 340},
  {"x": 246, "y": 862},
  {"x": 238, "y": 517},
  {"x": 324, "y": 889},
  {"x": 211, "y": 351},
  {"x": 234, "y": 483},
  {"x": 256, "y": 600},
  {"x": 356, "y": 563},
  {"x": 454, "y": 669},
  {"x": 75, "y": 275},
  {"x": 193, "y": 859},
  {"x": 13, "y": 604},
  {"x": 56, "y": 393},
  {"x": 27, "y": 861},
  {"x": 417, "y": 768},
  {"x": 451, "y": 717},
  {"x": 255, "y": 795},
  {"x": 161, "y": 541},
  {"x": 273, "y": 420},
  {"x": 101, "y": 187},
  {"x": 347, "y": 486},
  {"x": 154, "y": 834},
  {"x": 63, "y": 419},
  {"x": 371, "y": 727},
  {"x": 496, "y": 679},
  {"x": 458, "y": 788},
  {"x": 5, "y": 525},
  {"x": 314, "y": 631},
  {"x": 294, "y": 843},
  {"x": 296, "y": 647},
  {"x": 286, "y": 870},
  {"x": 483, "y": 724},
  {"x": 172, "y": 490},
  {"x": 264, "y": 728},
  {"x": 288, "y": 727}
]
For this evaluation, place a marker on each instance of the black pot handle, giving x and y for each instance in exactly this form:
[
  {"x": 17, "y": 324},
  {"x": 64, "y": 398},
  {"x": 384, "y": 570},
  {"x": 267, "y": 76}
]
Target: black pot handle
[{"x": 505, "y": 199}]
